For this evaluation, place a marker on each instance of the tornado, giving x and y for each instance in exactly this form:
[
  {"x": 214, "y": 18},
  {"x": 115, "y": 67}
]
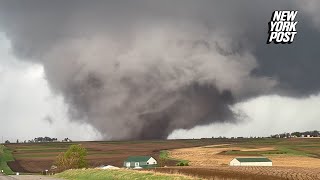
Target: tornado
[{"x": 142, "y": 69}]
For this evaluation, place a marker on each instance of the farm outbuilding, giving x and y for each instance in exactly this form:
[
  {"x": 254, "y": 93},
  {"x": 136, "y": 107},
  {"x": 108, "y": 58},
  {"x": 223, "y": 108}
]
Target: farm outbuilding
[
  {"x": 140, "y": 162},
  {"x": 251, "y": 161}
]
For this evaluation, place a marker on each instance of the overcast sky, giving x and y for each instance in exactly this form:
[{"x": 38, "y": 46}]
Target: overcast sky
[
  {"x": 28, "y": 108},
  {"x": 148, "y": 69}
]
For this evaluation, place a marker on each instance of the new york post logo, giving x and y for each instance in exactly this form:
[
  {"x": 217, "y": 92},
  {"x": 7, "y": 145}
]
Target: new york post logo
[{"x": 282, "y": 27}]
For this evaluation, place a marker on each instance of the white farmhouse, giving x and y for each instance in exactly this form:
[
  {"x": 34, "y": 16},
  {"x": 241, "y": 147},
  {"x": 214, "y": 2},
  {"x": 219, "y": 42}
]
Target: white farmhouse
[
  {"x": 140, "y": 161},
  {"x": 251, "y": 161}
]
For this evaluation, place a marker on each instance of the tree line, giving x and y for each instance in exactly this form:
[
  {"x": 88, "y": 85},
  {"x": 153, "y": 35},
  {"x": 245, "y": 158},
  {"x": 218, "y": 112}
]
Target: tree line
[
  {"x": 40, "y": 140},
  {"x": 314, "y": 133}
]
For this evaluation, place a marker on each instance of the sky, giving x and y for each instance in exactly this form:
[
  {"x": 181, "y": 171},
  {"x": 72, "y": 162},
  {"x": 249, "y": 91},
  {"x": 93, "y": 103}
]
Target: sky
[
  {"x": 115, "y": 70},
  {"x": 266, "y": 115},
  {"x": 28, "y": 108}
]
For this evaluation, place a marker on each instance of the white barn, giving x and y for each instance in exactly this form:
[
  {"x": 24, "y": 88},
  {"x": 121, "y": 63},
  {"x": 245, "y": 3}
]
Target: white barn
[{"x": 251, "y": 161}]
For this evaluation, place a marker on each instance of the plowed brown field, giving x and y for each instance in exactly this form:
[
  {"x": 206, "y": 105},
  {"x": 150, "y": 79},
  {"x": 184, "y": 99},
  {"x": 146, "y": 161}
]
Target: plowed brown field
[{"x": 247, "y": 173}]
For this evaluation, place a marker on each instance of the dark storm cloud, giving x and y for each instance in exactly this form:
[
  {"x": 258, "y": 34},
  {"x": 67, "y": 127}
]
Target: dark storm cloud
[{"x": 141, "y": 69}]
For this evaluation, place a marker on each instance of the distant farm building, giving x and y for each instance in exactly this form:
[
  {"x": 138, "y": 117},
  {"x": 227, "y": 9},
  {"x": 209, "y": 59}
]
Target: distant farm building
[
  {"x": 140, "y": 162},
  {"x": 251, "y": 161}
]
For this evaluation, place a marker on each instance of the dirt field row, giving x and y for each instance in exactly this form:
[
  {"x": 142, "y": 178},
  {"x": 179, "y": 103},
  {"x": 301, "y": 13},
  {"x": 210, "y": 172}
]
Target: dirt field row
[{"x": 248, "y": 173}]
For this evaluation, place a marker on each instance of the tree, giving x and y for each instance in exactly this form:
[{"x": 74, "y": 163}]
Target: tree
[
  {"x": 297, "y": 134},
  {"x": 315, "y": 133},
  {"x": 7, "y": 142},
  {"x": 73, "y": 158},
  {"x": 78, "y": 153}
]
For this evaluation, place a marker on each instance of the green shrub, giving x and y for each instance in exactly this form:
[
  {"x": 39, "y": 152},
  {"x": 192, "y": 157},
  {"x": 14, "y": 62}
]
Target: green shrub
[
  {"x": 73, "y": 158},
  {"x": 181, "y": 163}
]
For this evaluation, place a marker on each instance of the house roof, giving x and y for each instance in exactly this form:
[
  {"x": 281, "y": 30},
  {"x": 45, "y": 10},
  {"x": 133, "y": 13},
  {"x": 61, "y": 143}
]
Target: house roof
[
  {"x": 254, "y": 159},
  {"x": 138, "y": 158}
]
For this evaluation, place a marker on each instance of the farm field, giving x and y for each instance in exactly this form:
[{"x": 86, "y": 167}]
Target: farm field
[
  {"x": 248, "y": 173},
  {"x": 296, "y": 158},
  {"x": 292, "y": 159},
  {"x": 39, "y": 156},
  {"x": 295, "y": 152}
]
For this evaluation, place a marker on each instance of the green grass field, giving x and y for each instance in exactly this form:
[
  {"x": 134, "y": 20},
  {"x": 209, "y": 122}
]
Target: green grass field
[
  {"x": 165, "y": 155},
  {"x": 5, "y": 156},
  {"x": 117, "y": 174}
]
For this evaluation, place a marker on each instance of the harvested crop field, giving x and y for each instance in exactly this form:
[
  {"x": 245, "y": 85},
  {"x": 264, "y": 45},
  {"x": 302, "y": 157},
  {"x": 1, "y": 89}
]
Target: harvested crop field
[
  {"x": 292, "y": 159},
  {"x": 287, "y": 153}
]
